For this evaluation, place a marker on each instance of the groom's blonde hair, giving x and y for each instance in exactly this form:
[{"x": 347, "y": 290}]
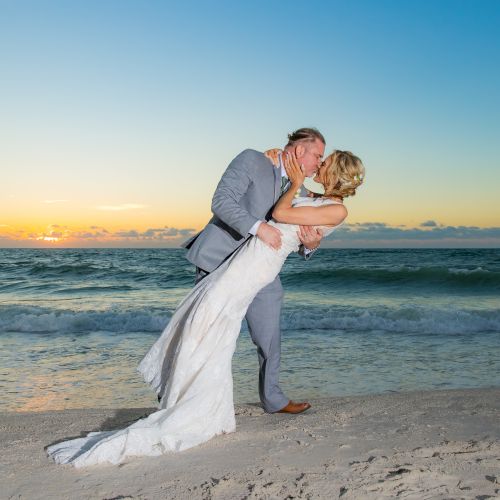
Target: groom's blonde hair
[
  {"x": 345, "y": 172},
  {"x": 305, "y": 135}
]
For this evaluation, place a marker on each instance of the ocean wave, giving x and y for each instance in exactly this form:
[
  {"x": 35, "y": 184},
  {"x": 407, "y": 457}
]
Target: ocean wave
[
  {"x": 63, "y": 271},
  {"x": 35, "y": 274},
  {"x": 79, "y": 269},
  {"x": 415, "y": 319},
  {"x": 96, "y": 288},
  {"x": 481, "y": 279},
  {"x": 32, "y": 319}
]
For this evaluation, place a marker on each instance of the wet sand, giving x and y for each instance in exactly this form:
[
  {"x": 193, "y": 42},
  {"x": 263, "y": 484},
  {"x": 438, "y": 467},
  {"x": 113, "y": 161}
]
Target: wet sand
[{"x": 425, "y": 444}]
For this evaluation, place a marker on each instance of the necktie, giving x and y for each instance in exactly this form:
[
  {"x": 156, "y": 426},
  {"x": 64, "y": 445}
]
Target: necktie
[{"x": 284, "y": 184}]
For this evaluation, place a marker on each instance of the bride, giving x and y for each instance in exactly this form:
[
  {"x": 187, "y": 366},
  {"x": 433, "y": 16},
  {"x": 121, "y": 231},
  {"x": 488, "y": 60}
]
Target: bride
[{"x": 189, "y": 366}]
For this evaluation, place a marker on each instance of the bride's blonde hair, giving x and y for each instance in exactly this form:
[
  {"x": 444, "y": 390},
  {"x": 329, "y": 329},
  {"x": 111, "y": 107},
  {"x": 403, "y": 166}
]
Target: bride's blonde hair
[{"x": 344, "y": 174}]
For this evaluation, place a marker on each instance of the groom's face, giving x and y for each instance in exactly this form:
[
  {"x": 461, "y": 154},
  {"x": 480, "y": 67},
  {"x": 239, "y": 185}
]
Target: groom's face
[{"x": 310, "y": 155}]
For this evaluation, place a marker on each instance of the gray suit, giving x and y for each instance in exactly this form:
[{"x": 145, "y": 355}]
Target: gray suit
[{"x": 246, "y": 193}]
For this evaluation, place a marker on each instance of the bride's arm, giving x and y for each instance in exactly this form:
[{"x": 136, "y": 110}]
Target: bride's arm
[
  {"x": 326, "y": 215},
  {"x": 329, "y": 215}
]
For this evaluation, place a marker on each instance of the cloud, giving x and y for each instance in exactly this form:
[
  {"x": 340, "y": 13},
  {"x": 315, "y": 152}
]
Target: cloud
[
  {"x": 357, "y": 235},
  {"x": 127, "y": 234},
  {"x": 54, "y": 201},
  {"x": 95, "y": 232},
  {"x": 86, "y": 234},
  {"x": 164, "y": 233},
  {"x": 95, "y": 237},
  {"x": 427, "y": 231},
  {"x": 123, "y": 206},
  {"x": 99, "y": 229}
]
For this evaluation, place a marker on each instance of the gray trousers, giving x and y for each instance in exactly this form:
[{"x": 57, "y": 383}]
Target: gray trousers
[{"x": 263, "y": 318}]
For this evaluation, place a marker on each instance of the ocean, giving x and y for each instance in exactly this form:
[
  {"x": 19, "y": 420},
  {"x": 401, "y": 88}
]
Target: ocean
[{"x": 75, "y": 323}]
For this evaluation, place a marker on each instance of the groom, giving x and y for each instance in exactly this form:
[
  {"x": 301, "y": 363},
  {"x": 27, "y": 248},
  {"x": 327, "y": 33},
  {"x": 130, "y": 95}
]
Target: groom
[{"x": 242, "y": 204}]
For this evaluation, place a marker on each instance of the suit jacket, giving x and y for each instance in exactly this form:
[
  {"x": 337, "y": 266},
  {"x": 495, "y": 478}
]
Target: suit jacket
[{"x": 246, "y": 193}]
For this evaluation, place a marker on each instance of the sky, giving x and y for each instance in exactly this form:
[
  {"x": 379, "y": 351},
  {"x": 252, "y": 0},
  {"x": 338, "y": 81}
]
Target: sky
[{"x": 118, "y": 117}]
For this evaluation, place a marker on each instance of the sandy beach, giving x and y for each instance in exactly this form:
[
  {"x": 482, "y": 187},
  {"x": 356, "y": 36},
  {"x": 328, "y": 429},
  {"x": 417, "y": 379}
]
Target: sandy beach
[{"x": 425, "y": 444}]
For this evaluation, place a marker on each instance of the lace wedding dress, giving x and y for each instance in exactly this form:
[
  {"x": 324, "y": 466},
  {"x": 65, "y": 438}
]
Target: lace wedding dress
[{"x": 189, "y": 365}]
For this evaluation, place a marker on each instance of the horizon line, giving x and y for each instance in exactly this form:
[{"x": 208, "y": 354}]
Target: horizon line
[{"x": 180, "y": 248}]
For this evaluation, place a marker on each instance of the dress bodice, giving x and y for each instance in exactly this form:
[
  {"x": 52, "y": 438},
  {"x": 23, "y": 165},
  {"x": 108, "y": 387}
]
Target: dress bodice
[
  {"x": 290, "y": 240},
  {"x": 315, "y": 202}
]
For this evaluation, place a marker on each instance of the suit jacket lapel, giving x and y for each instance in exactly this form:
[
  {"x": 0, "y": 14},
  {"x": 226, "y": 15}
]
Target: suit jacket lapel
[{"x": 277, "y": 183}]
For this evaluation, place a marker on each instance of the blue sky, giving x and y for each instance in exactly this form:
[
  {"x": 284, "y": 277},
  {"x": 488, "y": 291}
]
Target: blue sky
[{"x": 122, "y": 115}]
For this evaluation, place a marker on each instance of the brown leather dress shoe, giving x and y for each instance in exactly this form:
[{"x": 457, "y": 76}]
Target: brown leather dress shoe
[{"x": 292, "y": 407}]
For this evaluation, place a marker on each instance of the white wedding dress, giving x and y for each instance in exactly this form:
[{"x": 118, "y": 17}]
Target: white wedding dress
[{"x": 189, "y": 365}]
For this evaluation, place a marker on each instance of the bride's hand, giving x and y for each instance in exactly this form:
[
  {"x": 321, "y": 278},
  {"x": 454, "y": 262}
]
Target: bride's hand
[
  {"x": 294, "y": 170},
  {"x": 273, "y": 154}
]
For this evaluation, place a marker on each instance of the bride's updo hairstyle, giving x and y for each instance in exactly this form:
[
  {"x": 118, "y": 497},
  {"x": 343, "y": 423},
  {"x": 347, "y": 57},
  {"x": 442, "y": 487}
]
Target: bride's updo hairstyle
[{"x": 344, "y": 172}]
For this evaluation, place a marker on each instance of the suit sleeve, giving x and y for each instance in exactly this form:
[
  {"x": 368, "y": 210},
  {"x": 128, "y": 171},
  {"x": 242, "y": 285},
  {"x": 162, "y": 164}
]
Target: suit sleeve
[
  {"x": 306, "y": 255},
  {"x": 233, "y": 185}
]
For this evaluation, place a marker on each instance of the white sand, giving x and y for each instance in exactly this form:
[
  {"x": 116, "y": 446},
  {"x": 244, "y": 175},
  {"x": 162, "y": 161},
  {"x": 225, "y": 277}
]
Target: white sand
[{"x": 432, "y": 444}]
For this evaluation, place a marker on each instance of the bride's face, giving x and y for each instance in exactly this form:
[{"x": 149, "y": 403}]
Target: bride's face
[{"x": 322, "y": 170}]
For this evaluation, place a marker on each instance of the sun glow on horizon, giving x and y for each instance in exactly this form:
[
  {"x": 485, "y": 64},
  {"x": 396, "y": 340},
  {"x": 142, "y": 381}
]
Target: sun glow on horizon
[{"x": 49, "y": 238}]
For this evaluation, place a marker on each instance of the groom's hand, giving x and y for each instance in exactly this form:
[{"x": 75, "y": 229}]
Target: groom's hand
[
  {"x": 310, "y": 236},
  {"x": 269, "y": 235}
]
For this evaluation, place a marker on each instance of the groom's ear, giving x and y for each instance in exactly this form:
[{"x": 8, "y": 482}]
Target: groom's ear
[{"x": 300, "y": 150}]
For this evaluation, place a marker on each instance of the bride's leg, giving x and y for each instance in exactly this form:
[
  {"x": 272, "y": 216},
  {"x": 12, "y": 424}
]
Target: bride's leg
[{"x": 263, "y": 318}]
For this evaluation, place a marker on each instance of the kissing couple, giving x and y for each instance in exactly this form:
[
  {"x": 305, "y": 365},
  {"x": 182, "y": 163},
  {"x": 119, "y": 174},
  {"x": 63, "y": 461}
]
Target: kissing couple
[{"x": 261, "y": 214}]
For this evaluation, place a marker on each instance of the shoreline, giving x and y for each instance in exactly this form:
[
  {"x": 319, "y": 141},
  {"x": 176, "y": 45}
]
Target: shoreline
[{"x": 419, "y": 444}]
